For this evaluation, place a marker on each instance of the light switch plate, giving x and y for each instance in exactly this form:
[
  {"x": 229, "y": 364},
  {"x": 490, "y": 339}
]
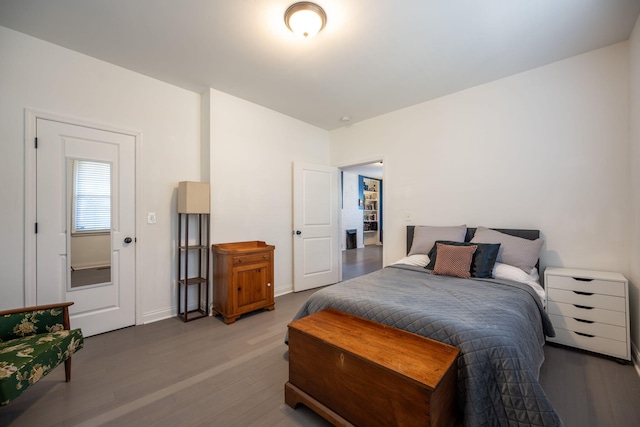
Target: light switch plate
[{"x": 151, "y": 217}]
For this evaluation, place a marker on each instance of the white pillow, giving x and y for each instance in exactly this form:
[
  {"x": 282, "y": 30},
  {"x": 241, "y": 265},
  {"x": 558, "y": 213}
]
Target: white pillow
[
  {"x": 418, "y": 260},
  {"x": 509, "y": 272}
]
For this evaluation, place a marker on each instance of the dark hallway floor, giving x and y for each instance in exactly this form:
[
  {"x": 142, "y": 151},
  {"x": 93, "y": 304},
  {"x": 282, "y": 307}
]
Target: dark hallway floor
[{"x": 357, "y": 262}]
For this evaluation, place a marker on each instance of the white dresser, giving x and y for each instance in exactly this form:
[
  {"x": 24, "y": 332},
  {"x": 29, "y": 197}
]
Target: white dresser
[{"x": 589, "y": 310}]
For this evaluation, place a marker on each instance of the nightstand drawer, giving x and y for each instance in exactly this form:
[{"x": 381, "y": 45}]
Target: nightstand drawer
[
  {"x": 251, "y": 258},
  {"x": 586, "y": 299},
  {"x": 618, "y": 333},
  {"x": 595, "y": 286},
  {"x": 597, "y": 344},
  {"x": 599, "y": 315}
]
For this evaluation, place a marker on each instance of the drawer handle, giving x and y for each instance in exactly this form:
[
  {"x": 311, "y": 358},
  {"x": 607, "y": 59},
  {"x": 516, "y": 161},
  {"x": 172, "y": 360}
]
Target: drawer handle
[
  {"x": 583, "y": 334},
  {"x": 583, "y": 321},
  {"x": 583, "y": 293},
  {"x": 581, "y": 279},
  {"x": 584, "y": 307}
]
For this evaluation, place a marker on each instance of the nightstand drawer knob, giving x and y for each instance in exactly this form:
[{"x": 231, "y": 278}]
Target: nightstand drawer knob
[
  {"x": 583, "y": 334},
  {"x": 582, "y": 279},
  {"x": 583, "y": 321},
  {"x": 584, "y": 307},
  {"x": 583, "y": 293}
]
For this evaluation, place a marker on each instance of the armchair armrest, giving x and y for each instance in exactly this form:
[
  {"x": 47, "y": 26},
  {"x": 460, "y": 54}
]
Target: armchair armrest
[{"x": 20, "y": 322}]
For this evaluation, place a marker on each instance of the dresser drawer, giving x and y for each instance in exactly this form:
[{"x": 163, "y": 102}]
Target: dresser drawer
[
  {"x": 618, "y": 333},
  {"x": 597, "y": 344},
  {"x": 588, "y": 300},
  {"x": 617, "y": 318},
  {"x": 595, "y": 286},
  {"x": 251, "y": 258}
]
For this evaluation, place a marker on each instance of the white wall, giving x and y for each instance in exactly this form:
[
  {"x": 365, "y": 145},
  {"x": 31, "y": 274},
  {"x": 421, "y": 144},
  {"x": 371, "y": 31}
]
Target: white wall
[
  {"x": 545, "y": 149},
  {"x": 39, "y": 75},
  {"x": 252, "y": 152},
  {"x": 634, "y": 273}
]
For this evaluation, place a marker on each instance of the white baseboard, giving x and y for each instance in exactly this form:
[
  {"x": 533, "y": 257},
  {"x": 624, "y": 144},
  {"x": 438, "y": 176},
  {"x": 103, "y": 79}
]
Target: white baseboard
[
  {"x": 90, "y": 266},
  {"x": 282, "y": 290},
  {"x": 157, "y": 315},
  {"x": 165, "y": 313}
]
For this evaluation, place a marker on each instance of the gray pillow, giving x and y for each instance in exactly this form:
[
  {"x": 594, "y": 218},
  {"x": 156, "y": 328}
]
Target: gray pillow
[
  {"x": 515, "y": 251},
  {"x": 424, "y": 237}
]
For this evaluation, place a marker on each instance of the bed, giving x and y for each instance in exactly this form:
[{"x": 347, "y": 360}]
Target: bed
[{"x": 498, "y": 323}]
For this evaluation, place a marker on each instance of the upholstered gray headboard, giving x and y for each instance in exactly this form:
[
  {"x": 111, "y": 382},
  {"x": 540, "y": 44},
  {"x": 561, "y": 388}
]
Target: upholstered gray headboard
[{"x": 526, "y": 234}]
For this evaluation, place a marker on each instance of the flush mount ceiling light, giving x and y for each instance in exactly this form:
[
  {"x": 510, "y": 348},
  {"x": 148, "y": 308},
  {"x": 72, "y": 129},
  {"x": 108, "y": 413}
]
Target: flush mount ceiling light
[{"x": 305, "y": 18}]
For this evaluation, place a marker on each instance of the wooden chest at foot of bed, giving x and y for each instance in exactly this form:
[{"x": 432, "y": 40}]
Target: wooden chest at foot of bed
[{"x": 353, "y": 371}]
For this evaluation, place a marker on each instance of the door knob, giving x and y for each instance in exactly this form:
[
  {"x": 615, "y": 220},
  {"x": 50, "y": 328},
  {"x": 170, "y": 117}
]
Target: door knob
[
  {"x": 128, "y": 240},
  {"x": 298, "y": 232}
]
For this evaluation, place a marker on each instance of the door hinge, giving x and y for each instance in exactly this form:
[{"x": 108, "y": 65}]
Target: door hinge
[
  {"x": 36, "y": 143},
  {"x": 36, "y": 228}
]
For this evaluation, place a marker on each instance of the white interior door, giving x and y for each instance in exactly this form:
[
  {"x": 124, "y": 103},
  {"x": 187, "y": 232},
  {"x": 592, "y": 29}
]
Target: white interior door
[
  {"x": 104, "y": 303},
  {"x": 316, "y": 240}
]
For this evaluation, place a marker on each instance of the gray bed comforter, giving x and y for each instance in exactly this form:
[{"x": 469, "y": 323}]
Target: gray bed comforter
[{"x": 498, "y": 325}]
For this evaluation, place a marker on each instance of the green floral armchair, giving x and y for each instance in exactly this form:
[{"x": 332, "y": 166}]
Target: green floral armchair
[{"x": 33, "y": 341}]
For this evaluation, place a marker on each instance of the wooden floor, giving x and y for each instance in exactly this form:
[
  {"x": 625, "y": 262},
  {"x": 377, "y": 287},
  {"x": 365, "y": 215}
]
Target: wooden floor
[
  {"x": 170, "y": 373},
  {"x": 357, "y": 262},
  {"x": 206, "y": 373},
  {"x": 590, "y": 391}
]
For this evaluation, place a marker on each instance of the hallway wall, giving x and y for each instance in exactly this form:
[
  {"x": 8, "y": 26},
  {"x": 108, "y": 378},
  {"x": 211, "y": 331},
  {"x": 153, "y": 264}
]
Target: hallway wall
[{"x": 351, "y": 215}]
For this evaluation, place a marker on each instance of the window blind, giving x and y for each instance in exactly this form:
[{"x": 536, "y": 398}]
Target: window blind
[{"x": 92, "y": 196}]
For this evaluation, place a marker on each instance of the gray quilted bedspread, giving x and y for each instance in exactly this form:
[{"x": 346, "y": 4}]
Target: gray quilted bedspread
[{"x": 499, "y": 326}]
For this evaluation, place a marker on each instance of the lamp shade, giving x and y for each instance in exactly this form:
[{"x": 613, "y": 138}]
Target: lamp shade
[{"x": 193, "y": 197}]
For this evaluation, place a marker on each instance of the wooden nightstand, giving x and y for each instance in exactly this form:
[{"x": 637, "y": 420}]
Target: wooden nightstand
[
  {"x": 243, "y": 278},
  {"x": 589, "y": 310}
]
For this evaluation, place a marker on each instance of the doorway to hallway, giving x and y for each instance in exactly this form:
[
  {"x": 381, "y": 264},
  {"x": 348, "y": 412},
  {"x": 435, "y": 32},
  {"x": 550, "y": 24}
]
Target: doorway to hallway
[{"x": 362, "y": 218}]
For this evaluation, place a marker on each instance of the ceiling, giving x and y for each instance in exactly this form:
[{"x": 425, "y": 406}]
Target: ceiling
[{"x": 373, "y": 56}]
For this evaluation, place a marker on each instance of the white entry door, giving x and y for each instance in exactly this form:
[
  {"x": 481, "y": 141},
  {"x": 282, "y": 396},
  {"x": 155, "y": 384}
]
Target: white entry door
[
  {"x": 73, "y": 255},
  {"x": 316, "y": 240}
]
